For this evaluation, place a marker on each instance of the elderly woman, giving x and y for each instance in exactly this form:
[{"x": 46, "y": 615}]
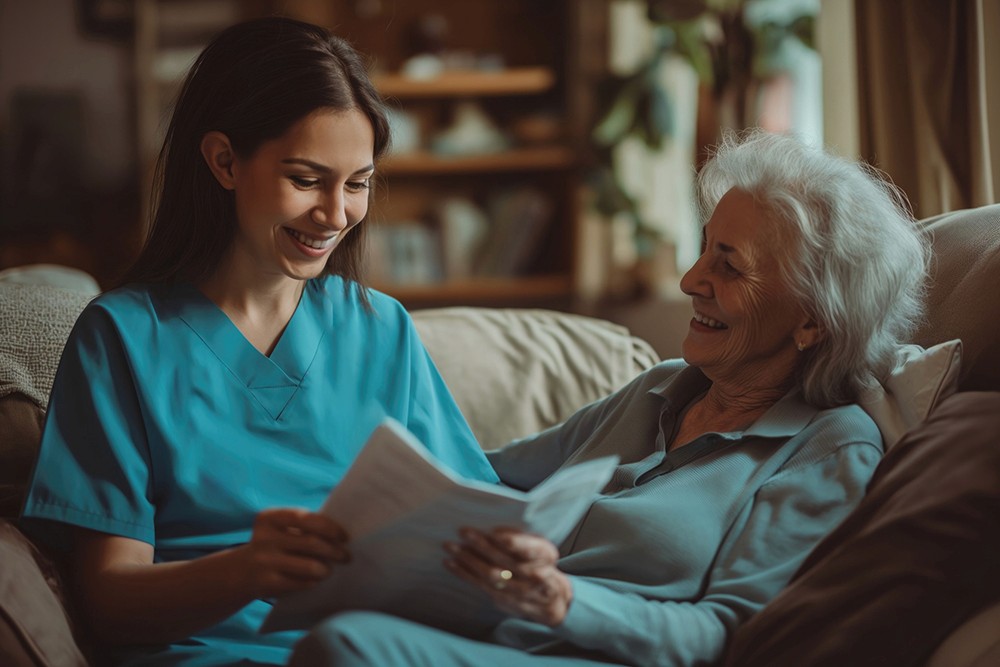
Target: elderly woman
[{"x": 734, "y": 462}]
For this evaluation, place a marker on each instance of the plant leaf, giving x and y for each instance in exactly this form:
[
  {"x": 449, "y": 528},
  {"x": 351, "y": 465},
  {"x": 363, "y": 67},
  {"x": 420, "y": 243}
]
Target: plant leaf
[
  {"x": 692, "y": 46},
  {"x": 804, "y": 28},
  {"x": 661, "y": 115},
  {"x": 620, "y": 117}
]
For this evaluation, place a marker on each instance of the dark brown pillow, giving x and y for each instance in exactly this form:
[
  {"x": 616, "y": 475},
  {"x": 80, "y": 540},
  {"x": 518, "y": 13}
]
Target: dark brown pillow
[{"x": 909, "y": 565}]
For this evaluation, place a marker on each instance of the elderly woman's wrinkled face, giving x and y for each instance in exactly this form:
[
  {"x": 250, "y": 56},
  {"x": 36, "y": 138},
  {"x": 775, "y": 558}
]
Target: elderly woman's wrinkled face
[{"x": 746, "y": 324}]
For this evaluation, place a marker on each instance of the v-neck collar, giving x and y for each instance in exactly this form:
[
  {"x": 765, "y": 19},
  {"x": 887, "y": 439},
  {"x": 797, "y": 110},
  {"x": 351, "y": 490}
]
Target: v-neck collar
[{"x": 272, "y": 380}]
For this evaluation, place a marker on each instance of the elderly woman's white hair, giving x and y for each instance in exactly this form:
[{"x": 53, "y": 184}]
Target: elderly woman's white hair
[{"x": 850, "y": 252}]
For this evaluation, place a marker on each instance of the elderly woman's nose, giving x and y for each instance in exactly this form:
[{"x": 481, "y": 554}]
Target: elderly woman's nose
[{"x": 693, "y": 281}]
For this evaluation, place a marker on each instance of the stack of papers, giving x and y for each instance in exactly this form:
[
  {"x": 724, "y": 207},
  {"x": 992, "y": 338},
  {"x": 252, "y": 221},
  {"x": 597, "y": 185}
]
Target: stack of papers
[{"x": 399, "y": 506}]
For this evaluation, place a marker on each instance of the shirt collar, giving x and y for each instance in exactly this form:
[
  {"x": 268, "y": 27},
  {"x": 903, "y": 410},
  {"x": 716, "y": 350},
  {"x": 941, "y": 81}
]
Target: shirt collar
[{"x": 784, "y": 419}]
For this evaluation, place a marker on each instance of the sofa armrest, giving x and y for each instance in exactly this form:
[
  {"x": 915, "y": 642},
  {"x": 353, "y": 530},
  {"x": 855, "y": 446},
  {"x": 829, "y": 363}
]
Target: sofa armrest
[{"x": 35, "y": 626}]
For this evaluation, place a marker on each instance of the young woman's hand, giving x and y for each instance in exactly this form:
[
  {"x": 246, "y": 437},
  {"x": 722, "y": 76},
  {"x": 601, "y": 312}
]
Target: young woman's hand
[
  {"x": 290, "y": 550},
  {"x": 516, "y": 569}
]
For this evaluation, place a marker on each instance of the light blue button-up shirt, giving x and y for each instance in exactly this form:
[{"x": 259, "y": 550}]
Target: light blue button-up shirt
[{"x": 684, "y": 545}]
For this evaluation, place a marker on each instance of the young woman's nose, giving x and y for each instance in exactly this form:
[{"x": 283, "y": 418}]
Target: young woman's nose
[{"x": 331, "y": 213}]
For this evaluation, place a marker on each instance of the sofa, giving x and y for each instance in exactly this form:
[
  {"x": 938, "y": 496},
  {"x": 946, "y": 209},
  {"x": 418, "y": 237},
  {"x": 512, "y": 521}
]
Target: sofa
[{"x": 512, "y": 372}]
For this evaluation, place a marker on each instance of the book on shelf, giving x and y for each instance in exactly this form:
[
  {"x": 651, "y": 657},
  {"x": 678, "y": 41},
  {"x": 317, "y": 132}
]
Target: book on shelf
[
  {"x": 519, "y": 219},
  {"x": 406, "y": 253}
]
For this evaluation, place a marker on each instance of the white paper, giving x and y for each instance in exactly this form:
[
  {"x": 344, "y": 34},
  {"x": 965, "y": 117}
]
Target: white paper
[{"x": 399, "y": 507}]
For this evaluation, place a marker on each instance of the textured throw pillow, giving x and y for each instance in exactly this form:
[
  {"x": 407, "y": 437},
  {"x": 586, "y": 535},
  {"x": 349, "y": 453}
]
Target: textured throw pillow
[
  {"x": 910, "y": 564},
  {"x": 921, "y": 380}
]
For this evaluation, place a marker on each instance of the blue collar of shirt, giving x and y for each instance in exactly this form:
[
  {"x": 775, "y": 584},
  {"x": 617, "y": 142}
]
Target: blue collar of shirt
[{"x": 789, "y": 416}]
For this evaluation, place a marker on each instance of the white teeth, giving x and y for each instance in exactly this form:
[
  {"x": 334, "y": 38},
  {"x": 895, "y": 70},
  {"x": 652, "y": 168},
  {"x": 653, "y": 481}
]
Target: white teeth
[
  {"x": 708, "y": 321},
  {"x": 317, "y": 244}
]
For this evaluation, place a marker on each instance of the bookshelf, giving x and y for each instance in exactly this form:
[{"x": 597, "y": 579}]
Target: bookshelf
[{"x": 487, "y": 225}]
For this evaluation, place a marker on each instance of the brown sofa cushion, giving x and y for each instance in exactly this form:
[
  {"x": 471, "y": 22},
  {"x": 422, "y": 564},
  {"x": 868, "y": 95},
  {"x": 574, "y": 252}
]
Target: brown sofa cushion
[
  {"x": 911, "y": 563},
  {"x": 21, "y": 424},
  {"x": 964, "y": 301},
  {"x": 35, "y": 629}
]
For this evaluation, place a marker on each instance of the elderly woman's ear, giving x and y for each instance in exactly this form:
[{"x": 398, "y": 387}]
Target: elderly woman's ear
[{"x": 808, "y": 334}]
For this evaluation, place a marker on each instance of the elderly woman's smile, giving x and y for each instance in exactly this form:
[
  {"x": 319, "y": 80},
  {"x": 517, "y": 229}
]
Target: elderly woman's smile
[{"x": 705, "y": 320}]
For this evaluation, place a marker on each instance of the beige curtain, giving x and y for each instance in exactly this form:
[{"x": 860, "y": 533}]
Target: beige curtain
[{"x": 929, "y": 93}]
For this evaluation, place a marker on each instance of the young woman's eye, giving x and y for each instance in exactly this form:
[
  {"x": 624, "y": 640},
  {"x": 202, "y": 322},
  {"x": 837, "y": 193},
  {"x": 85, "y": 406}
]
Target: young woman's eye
[
  {"x": 358, "y": 186},
  {"x": 304, "y": 182}
]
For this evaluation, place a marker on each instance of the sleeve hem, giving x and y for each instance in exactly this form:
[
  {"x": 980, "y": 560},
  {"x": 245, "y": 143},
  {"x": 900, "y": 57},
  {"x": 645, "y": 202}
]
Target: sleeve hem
[{"x": 78, "y": 518}]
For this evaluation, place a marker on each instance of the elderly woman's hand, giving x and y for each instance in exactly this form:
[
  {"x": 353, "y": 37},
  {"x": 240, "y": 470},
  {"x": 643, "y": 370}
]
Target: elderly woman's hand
[{"x": 516, "y": 569}]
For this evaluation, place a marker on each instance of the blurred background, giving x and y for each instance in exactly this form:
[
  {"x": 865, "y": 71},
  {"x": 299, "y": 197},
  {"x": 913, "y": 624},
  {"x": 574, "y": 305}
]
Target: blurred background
[{"x": 544, "y": 150}]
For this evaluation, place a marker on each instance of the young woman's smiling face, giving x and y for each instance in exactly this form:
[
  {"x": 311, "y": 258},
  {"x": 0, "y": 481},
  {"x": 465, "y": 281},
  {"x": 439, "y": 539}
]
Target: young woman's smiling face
[
  {"x": 299, "y": 194},
  {"x": 747, "y": 323}
]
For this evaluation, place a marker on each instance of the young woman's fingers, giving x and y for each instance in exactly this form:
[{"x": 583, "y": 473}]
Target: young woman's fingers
[
  {"x": 311, "y": 546},
  {"x": 322, "y": 526}
]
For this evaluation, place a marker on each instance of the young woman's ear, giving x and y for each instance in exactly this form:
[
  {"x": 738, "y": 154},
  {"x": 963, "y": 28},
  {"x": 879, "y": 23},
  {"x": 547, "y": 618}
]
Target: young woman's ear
[{"x": 218, "y": 154}]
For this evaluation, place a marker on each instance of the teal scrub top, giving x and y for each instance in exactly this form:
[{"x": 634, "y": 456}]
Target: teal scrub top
[{"x": 166, "y": 425}]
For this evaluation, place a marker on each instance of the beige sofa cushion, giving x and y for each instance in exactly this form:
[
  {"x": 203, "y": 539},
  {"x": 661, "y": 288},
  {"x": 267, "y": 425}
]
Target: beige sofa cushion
[
  {"x": 964, "y": 299},
  {"x": 515, "y": 372}
]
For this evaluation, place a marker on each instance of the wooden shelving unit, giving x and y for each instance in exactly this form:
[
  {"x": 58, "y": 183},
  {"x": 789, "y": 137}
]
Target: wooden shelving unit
[{"x": 536, "y": 42}]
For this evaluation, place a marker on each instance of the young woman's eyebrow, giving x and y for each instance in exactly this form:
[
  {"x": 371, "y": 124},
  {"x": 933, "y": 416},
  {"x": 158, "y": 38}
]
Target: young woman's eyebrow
[{"x": 323, "y": 168}]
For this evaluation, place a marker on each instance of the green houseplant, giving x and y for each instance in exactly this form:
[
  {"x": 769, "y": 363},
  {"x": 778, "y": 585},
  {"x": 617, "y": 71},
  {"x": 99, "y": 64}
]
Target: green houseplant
[{"x": 731, "y": 48}]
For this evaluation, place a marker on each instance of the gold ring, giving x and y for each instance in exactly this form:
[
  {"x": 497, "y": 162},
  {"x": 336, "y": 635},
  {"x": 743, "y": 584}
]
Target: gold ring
[{"x": 503, "y": 577}]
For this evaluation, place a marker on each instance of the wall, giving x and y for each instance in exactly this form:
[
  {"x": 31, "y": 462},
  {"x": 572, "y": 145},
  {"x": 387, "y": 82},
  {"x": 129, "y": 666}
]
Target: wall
[
  {"x": 67, "y": 165},
  {"x": 835, "y": 38},
  {"x": 42, "y": 49}
]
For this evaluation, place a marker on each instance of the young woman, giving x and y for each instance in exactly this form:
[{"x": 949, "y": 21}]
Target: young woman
[{"x": 234, "y": 377}]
